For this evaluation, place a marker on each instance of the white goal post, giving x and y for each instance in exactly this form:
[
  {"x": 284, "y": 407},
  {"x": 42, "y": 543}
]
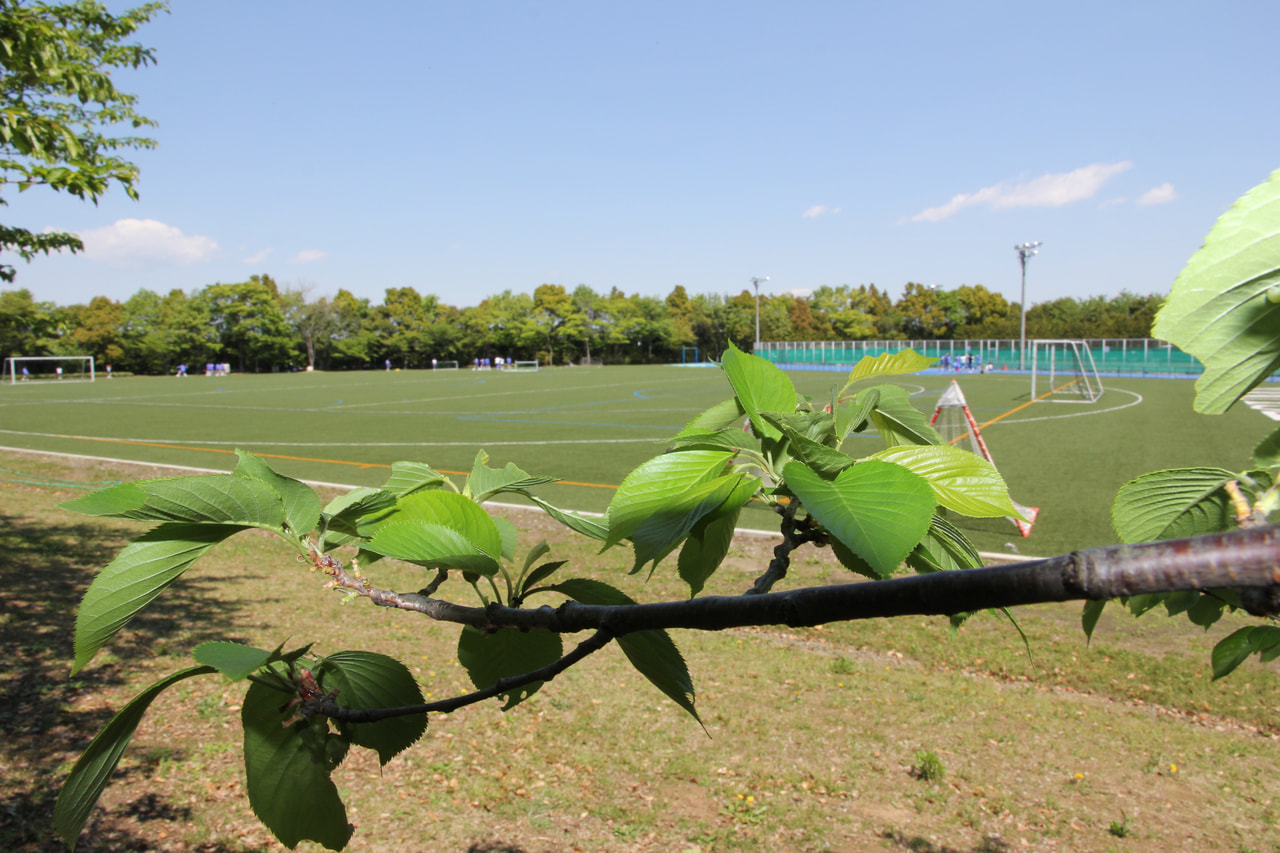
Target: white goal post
[
  {"x": 1063, "y": 371},
  {"x": 444, "y": 365},
  {"x": 524, "y": 365},
  {"x": 40, "y": 368}
]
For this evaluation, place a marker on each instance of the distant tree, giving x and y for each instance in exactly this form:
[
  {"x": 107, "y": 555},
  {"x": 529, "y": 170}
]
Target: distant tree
[
  {"x": 60, "y": 109},
  {"x": 250, "y": 324},
  {"x": 313, "y": 321},
  {"x": 98, "y": 329},
  {"x": 23, "y": 323},
  {"x": 556, "y": 322}
]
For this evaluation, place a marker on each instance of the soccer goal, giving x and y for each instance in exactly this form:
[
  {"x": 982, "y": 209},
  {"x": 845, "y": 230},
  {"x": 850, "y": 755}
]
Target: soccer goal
[
  {"x": 40, "y": 368},
  {"x": 445, "y": 365},
  {"x": 591, "y": 362},
  {"x": 954, "y": 422},
  {"x": 688, "y": 355},
  {"x": 524, "y": 365},
  {"x": 1062, "y": 371}
]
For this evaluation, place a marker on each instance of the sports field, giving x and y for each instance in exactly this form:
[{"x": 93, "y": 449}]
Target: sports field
[{"x": 590, "y": 426}]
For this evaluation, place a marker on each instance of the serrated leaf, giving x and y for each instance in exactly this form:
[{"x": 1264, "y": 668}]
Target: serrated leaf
[
  {"x": 660, "y": 533},
  {"x": 888, "y": 364},
  {"x": 823, "y": 460},
  {"x": 590, "y": 527},
  {"x": 410, "y": 477},
  {"x": 720, "y": 416},
  {"x": 139, "y": 573},
  {"x": 344, "y": 514},
  {"x": 207, "y": 498},
  {"x": 1221, "y": 308},
  {"x": 1173, "y": 504},
  {"x": 287, "y": 773},
  {"x": 943, "y": 549},
  {"x": 506, "y": 652},
  {"x": 760, "y": 386},
  {"x": 855, "y": 414},
  {"x": 540, "y": 574},
  {"x": 509, "y": 534},
  {"x": 898, "y": 422},
  {"x": 234, "y": 660},
  {"x": 367, "y": 680},
  {"x": 962, "y": 482},
  {"x": 1207, "y": 611},
  {"x": 301, "y": 504},
  {"x": 1090, "y": 615},
  {"x": 1267, "y": 453},
  {"x": 708, "y": 542},
  {"x": 485, "y": 482},
  {"x": 656, "y": 485},
  {"x": 1231, "y": 651},
  {"x": 880, "y": 511},
  {"x": 730, "y": 438},
  {"x": 432, "y": 546},
  {"x": 94, "y": 768},
  {"x": 652, "y": 653}
]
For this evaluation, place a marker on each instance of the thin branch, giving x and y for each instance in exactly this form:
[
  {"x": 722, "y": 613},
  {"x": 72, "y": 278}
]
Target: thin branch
[
  {"x": 325, "y": 704},
  {"x": 1241, "y": 559}
]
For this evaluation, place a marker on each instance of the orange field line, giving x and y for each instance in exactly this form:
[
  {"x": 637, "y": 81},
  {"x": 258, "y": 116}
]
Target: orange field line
[{"x": 1024, "y": 405}]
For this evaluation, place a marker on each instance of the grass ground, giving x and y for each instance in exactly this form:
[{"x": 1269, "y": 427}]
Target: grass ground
[
  {"x": 591, "y": 426},
  {"x": 864, "y": 736}
]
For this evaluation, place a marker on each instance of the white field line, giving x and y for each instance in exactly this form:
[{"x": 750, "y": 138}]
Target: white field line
[
  {"x": 266, "y": 443},
  {"x": 1137, "y": 401}
]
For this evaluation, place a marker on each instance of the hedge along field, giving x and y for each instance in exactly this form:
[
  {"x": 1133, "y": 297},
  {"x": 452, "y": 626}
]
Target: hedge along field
[{"x": 590, "y": 426}]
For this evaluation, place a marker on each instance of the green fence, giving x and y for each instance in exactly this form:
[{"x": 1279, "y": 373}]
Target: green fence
[{"x": 1120, "y": 356}]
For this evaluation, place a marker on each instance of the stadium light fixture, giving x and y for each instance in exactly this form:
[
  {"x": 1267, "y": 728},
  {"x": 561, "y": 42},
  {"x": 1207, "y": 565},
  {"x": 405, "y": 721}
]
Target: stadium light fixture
[
  {"x": 1025, "y": 251},
  {"x": 756, "y": 282}
]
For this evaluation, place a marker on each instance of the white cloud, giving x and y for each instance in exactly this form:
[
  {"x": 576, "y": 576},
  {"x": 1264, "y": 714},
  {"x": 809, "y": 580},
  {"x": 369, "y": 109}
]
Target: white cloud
[
  {"x": 1162, "y": 194},
  {"x": 308, "y": 256},
  {"x": 1112, "y": 202},
  {"x": 1052, "y": 190},
  {"x": 258, "y": 257},
  {"x": 800, "y": 292},
  {"x": 132, "y": 242},
  {"x": 818, "y": 210}
]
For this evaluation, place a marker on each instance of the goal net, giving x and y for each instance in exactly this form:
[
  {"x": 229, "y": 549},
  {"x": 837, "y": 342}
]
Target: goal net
[
  {"x": 1062, "y": 371},
  {"x": 524, "y": 365},
  {"x": 954, "y": 422},
  {"x": 591, "y": 362},
  {"x": 445, "y": 365},
  {"x": 41, "y": 368}
]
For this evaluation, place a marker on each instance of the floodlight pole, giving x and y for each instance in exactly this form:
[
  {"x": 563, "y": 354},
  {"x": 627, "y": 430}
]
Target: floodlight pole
[
  {"x": 1024, "y": 250},
  {"x": 756, "y": 282}
]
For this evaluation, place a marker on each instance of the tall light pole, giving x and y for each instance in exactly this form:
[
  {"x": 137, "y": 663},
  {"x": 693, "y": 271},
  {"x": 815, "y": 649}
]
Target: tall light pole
[
  {"x": 756, "y": 282},
  {"x": 1024, "y": 250}
]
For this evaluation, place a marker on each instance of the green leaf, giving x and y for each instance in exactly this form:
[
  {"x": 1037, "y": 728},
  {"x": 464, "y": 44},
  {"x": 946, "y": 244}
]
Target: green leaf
[
  {"x": 730, "y": 438},
  {"x": 760, "y": 386},
  {"x": 410, "y": 477},
  {"x": 1208, "y": 610},
  {"x": 658, "y": 484},
  {"x": 455, "y": 512},
  {"x": 509, "y": 535},
  {"x": 1267, "y": 453},
  {"x": 1231, "y": 651},
  {"x": 367, "y": 680},
  {"x": 432, "y": 546},
  {"x": 823, "y": 460},
  {"x": 287, "y": 772},
  {"x": 709, "y": 539},
  {"x": 898, "y": 422},
  {"x": 589, "y": 527},
  {"x": 301, "y": 504},
  {"x": 856, "y": 413},
  {"x": 485, "y": 482},
  {"x": 659, "y": 534},
  {"x": 234, "y": 660},
  {"x": 1172, "y": 504},
  {"x": 888, "y": 364},
  {"x": 720, "y": 416},
  {"x": 652, "y": 653},
  {"x": 504, "y": 653},
  {"x": 216, "y": 498},
  {"x": 963, "y": 482},
  {"x": 880, "y": 511},
  {"x": 1221, "y": 308},
  {"x": 344, "y": 514},
  {"x": 139, "y": 573},
  {"x": 92, "y": 771},
  {"x": 943, "y": 549},
  {"x": 1090, "y": 615}
]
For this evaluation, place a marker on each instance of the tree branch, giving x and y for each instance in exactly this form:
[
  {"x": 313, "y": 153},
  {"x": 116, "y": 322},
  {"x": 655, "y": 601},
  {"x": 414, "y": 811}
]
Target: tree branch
[{"x": 1239, "y": 559}]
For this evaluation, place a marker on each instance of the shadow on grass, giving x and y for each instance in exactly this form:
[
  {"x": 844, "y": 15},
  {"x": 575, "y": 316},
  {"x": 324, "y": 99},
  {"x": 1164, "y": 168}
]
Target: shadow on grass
[
  {"x": 918, "y": 844},
  {"x": 44, "y": 570},
  {"x": 494, "y": 847}
]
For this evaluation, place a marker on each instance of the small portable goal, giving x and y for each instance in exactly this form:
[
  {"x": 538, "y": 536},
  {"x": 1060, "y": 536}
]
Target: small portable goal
[
  {"x": 524, "y": 366},
  {"x": 1063, "y": 371}
]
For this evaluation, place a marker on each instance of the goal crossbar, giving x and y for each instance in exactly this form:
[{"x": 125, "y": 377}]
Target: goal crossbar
[
  {"x": 1063, "y": 371},
  {"x": 19, "y": 368}
]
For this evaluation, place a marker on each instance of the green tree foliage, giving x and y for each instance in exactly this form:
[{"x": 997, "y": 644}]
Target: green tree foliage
[
  {"x": 62, "y": 120},
  {"x": 249, "y": 321}
]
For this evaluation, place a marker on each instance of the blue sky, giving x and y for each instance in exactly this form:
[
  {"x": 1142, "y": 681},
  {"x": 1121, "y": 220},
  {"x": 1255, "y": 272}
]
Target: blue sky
[{"x": 467, "y": 148}]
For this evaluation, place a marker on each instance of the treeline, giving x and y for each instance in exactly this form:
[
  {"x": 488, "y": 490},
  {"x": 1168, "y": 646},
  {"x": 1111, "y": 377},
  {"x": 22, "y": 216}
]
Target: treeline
[{"x": 257, "y": 326}]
